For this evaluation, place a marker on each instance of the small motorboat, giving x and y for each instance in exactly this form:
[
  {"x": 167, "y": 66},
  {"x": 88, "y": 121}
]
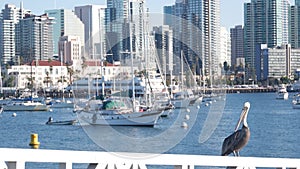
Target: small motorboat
[
  {"x": 65, "y": 122},
  {"x": 296, "y": 101}
]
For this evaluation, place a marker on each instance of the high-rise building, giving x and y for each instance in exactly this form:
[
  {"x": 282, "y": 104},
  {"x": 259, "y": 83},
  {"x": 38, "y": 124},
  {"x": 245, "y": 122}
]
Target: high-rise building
[
  {"x": 168, "y": 12},
  {"x": 164, "y": 45},
  {"x": 70, "y": 49},
  {"x": 237, "y": 43},
  {"x": 177, "y": 20},
  {"x": 116, "y": 17},
  {"x": 93, "y": 18},
  {"x": 225, "y": 46},
  {"x": 127, "y": 29},
  {"x": 295, "y": 25},
  {"x": 66, "y": 23},
  {"x": 196, "y": 25},
  {"x": 265, "y": 22},
  {"x": 35, "y": 34},
  {"x": 211, "y": 37},
  {"x": 10, "y": 16}
]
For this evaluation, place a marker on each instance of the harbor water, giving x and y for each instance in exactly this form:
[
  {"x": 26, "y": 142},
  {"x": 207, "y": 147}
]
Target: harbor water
[{"x": 273, "y": 123}]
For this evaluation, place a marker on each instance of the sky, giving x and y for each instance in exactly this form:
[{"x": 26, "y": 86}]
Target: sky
[{"x": 231, "y": 10}]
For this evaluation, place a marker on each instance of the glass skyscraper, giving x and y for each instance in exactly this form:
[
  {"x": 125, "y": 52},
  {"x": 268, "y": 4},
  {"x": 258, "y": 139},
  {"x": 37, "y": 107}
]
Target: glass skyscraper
[
  {"x": 237, "y": 43},
  {"x": 66, "y": 23},
  {"x": 265, "y": 22},
  {"x": 295, "y": 25},
  {"x": 126, "y": 27}
]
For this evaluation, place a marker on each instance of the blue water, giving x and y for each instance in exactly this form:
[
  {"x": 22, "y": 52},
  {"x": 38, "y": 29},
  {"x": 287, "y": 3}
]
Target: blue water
[{"x": 274, "y": 127}]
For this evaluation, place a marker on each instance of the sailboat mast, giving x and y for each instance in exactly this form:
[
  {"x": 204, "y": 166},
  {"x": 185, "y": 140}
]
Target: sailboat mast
[
  {"x": 61, "y": 73},
  {"x": 181, "y": 64},
  {"x": 131, "y": 55},
  {"x": 101, "y": 53}
]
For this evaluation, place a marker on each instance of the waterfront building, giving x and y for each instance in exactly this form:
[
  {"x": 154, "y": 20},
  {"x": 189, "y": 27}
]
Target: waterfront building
[
  {"x": 278, "y": 62},
  {"x": 110, "y": 71},
  {"x": 36, "y": 38},
  {"x": 93, "y": 19},
  {"x": 65, "y": 23},
  {"x": 10, "y": 16},
  {"x": 265, "y": 22},
  {"x": 56, "y": 75},
  {"x": 46, "y": 74},
  {"x": 237, "y": 43}
]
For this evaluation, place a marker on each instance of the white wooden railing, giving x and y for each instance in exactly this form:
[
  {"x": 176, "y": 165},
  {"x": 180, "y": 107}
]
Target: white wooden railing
[{"x": 12, "y": 158}]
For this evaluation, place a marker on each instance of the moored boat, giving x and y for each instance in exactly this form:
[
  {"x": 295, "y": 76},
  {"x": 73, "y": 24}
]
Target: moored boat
[
  {"x": 119, "y": 112},
  {"x": 182, "y": 99},
  {"x": 64, "y": 122},
  {"x": 282, "y": 93},
  {"x": 25, "y": 106},
  {"x": 62, "y": 104},
  {"x": 296, "y": 101}
]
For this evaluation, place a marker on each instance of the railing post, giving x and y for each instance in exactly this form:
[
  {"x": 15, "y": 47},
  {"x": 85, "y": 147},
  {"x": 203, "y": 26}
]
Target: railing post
[
  {"x": 65, "y": 165},
  {"x": 92, "y": 166},
  {"x": 183, "y": 167},
  {"x": 15, "y": 164}
]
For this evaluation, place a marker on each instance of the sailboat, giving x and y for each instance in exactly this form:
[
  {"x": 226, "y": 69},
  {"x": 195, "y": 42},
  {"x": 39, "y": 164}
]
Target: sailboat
[{"x": 120, "y": 111}]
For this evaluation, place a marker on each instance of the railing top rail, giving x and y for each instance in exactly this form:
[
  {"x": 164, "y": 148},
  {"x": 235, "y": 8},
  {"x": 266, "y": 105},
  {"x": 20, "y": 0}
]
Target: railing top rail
[{"x": 69, "y": 156}]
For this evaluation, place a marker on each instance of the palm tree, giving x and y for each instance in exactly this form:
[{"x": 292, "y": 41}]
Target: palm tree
[
  {"x": 70, "y": 72},
  {"x": 47, "y": 79}
]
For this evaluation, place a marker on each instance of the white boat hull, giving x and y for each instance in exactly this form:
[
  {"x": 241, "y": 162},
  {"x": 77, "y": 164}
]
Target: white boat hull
[
  {"x": 283, "y": 96},
  {"x": 148, "y": 118},
  {"x": 62, "y": 105},
  {"x": 25, "y": 107}
]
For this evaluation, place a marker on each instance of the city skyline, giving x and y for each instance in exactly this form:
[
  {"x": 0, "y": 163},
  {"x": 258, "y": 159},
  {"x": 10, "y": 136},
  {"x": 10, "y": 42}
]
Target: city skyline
[{"x": 229, "y": 17}]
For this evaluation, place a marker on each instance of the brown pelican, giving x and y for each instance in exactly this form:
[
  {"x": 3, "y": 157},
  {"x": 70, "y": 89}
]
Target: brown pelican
[{"x": 236, "y": 141}]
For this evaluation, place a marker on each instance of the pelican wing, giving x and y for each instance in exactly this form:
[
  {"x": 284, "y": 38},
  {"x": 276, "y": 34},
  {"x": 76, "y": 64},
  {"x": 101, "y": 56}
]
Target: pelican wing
[{"x": 232, "y": 142}]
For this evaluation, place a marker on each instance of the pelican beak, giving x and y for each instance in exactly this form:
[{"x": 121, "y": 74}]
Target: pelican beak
[{"x": 243, "y": 115}]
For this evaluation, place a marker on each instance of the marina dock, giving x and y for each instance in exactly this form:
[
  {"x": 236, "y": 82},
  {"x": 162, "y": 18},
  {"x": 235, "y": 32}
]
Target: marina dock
[
  {"x": 17, "y": 159},
  {"x": 237, "y": 90}
]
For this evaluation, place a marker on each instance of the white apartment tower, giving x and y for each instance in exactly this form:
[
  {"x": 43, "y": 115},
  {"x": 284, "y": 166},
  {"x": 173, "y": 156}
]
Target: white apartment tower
[
  {"x": 10, "y": 16},
  {"x": 36, "y": 42},
  {"x": 211, "y": 40},
  {"x": 225, "y": 47}
]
